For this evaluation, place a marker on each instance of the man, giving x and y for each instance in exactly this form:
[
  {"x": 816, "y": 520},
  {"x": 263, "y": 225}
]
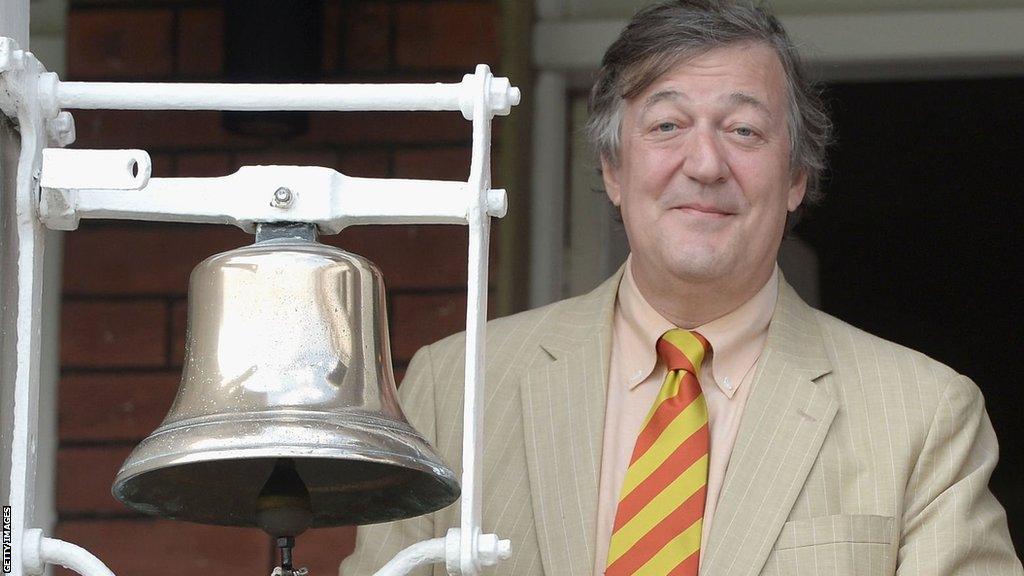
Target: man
[{"x": 692, "y": 413}]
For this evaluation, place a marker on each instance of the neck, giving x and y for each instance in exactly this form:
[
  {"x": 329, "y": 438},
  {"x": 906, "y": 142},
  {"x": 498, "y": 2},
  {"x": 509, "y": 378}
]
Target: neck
[{"x": 689, "y": 304}]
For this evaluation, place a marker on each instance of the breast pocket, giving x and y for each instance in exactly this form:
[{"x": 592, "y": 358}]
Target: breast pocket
[{"x": 840, "y": 545}]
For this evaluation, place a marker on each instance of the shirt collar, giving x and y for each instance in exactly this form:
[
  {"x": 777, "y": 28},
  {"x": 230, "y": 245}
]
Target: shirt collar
[{"x": 736, "y": 338}]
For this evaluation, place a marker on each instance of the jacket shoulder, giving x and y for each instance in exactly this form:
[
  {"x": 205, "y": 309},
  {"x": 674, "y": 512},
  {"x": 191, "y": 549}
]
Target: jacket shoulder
[{"x": 863, "y": 360}]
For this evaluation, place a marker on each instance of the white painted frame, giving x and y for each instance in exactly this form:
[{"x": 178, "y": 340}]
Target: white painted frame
[{"x": 57, "y": 188}]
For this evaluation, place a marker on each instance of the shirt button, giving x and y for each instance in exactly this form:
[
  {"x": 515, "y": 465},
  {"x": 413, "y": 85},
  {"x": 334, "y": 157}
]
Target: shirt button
[{"x": 727, "y": 382}]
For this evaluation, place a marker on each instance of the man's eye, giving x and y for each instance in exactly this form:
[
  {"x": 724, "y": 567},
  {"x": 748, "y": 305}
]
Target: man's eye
[
  {"x": 745, "y": 132},
  {"x": 666, "y": 127}
]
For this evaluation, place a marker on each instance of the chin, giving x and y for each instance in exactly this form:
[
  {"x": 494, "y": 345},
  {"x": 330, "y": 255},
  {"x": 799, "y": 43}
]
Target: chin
[{"x": 697, "y": 266}]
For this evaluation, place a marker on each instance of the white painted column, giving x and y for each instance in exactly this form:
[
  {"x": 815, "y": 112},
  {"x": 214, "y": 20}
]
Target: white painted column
[
  {"x": 22, "y": 238},
  {"x": 547, "y": 189},
  {"x": 30, "y": 278}
]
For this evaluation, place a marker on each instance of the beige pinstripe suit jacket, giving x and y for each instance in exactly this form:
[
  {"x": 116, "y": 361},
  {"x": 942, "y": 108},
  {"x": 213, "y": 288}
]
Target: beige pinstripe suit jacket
[{"x": 854, "y": 455}]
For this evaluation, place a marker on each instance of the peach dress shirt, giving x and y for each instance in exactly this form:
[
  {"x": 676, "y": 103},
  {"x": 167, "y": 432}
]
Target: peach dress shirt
[{"x": 635, "y": 376}]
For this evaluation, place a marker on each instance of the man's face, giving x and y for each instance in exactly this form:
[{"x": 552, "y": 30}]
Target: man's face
[{"x": 703, "y": 179}]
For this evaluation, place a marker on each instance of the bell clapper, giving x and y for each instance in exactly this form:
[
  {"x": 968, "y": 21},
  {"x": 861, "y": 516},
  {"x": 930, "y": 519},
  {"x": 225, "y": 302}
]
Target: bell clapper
[
  {"x": 283, "y": 510},
  {"x": 286, "y": 543}
]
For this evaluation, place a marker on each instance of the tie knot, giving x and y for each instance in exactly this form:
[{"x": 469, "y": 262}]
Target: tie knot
[{"x": 683, "y": 350}]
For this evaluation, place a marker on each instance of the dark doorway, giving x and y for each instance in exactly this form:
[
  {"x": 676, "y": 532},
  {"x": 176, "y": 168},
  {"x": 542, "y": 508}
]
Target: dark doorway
[{"x": 919, "y": 238}]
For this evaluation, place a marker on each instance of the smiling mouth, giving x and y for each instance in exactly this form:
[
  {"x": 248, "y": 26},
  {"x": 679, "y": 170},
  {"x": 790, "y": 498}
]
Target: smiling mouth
[{"x": 702, "y": 211}]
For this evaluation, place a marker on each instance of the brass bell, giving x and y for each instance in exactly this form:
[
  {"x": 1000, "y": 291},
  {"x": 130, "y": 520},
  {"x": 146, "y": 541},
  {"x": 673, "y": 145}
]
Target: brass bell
[{"x": 287, "y": 415}]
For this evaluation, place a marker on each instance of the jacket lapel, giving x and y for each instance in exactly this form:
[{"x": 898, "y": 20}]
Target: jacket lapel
[
  {"x": 563, "y": 417},
  {"x": 781, "y": 432}
]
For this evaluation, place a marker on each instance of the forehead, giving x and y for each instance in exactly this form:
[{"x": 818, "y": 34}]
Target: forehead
[{"x": 752, "y": 69}]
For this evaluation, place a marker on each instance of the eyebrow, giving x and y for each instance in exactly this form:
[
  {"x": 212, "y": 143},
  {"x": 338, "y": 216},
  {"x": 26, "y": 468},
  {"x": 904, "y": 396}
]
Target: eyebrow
[
  {"x": 744, "y": 99},
  {"x": 735, "y": 99},
  {"x": 662, "y": 95}
]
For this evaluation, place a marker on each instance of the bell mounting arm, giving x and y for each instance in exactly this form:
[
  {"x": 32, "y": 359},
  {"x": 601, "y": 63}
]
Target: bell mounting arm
[{"x": 115, "y": 184}]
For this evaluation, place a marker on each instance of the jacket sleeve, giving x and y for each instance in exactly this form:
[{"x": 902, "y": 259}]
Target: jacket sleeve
[
  {"x": 377, "y": 544},
  {"x": 952, "y": 523}
]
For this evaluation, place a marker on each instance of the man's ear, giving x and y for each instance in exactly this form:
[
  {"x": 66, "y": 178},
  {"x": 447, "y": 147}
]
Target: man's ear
[
  {"x": 610, "y": 175},
  {"x": 797, "y": 190}
]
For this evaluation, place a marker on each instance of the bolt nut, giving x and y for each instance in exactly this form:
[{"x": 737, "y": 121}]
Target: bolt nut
[
  {"x": 61, "y": 129},
  {"x": 497, "y": 203},
  {"x": 492, "y": 550},
  {"x": 283, "y": 198}
]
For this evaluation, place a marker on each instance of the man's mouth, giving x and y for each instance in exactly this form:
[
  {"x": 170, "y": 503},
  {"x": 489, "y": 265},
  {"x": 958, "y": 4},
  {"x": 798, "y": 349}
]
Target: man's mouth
[{"x": 703, "y": 210}]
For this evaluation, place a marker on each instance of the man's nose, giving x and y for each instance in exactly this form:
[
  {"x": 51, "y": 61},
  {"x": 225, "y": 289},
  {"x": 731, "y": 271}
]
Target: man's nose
[{"x": 705, "y": 160}]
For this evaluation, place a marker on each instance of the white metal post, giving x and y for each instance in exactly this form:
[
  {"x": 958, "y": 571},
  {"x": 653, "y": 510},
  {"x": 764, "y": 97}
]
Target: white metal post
[
  {"x": 548, "y": 189},
  {"x": 23, "y": 243},
  {"x": 472, "y": 414}
]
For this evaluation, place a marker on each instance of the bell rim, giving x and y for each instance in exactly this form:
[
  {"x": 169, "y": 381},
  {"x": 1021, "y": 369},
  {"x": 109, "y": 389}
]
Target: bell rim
[
  {"x": 379, "y": 457},
  {"x": 344, "y": 421},
  {"x": 222, "y": 449},
  {"x": 450, "y": 485}
]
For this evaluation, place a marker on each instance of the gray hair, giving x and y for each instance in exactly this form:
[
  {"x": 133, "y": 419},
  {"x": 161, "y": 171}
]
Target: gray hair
[{"x": 660, "y": 36}]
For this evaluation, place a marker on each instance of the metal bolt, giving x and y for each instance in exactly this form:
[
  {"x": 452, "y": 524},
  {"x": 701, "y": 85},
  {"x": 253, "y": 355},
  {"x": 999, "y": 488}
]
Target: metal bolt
[
  {"x": 282, "y": 197},
  {"x": 492, "y": 550},
  {"x": 62, "y": 129}
]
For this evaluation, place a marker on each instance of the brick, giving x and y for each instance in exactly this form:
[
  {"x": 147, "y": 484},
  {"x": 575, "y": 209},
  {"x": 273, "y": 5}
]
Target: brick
[
  {"x": 375, "y": 128},
  {"x": 330, "y": 32},
  {"x": 421, "y": 319},
  {"x": 149, "y": 259},
  {"x": 405, "y": 76},
  {"x": 119, "y": 44},
  {"x": 151, "y": 130},
  {"x": 204, "y": 164},
  {"x": 84, "y": 478},
  {"x": 114, "y": 407},
  {"x": 453, "y": 34},
  {"x": 200, "y": 42},
  {"x": 434, "y": 164},
  {"x": 113, "y": 334},
  {"x": 163, "y": 165},
  {"x": 321, "y": 550},
  {"x": 287, "y": 158},
  {"x": 411, "y": 257},
  {"x": 189, "y": 131},
  {"x": 364, "y": 164},
  {"x": 179, "y": 324},
  {"x": 367, "y": 37},
  {"x": 167, "y": 548}
]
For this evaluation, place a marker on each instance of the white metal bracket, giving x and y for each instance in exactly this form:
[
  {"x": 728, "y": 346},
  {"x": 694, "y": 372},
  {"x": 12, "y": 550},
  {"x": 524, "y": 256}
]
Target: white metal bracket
[{"x": 115, "y": 184}]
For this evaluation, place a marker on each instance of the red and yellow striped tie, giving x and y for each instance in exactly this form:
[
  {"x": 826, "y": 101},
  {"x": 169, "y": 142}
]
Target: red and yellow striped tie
[{"x": 657, "y": 526}]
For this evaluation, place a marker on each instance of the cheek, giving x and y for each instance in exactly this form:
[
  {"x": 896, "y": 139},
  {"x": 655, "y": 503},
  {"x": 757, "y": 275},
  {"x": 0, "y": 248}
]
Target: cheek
[
  {"x": 653, "y": 175},
  {"x": 765, "y": 185}
]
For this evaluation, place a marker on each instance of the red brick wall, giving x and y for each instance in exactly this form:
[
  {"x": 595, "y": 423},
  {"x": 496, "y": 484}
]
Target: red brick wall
[{"x": 125, "y": 283}]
